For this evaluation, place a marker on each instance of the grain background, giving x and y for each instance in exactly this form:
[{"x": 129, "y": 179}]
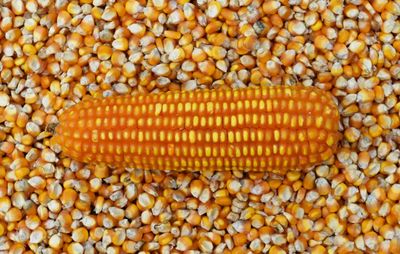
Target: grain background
[{"x": 54, "y": 54}]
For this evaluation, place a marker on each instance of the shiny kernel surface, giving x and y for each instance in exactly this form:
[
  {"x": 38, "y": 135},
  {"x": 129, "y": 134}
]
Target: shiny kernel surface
[{"x": 195, "y": 131}]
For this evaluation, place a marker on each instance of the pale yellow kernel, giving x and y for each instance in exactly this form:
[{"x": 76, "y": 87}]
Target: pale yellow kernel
[
  {"x": 319, "y": 121},
  {"x": 188, "y": 106},
  {"x": 140, "y": 136},
  {"x": 222, "y": 136},
  {"x": 207, "y": 137},
  {"x": 130, "y": 122},
  {"x": 330, "y": 140},
  {"x": 95, "y": 136},
  {"x": 158, "y": 109},
  {"x": 202, "y": 107},
  {"x": 233, "y": 121},
  {"x": 237, "y": 152},
  {"x": 245, "y": 135},
  {"x": 276, "y": 135},
  {"x": 171, "y": 108},
  {"x": 238, "y": 136},
  {"x": 275, "y": 149},
  {"x": 270, "y": 119},
  {"x": 98, "y": 122},
  {"x": 192, "y": 136},
  {"x": 195, "y": 121},
  {"x": 231, "y": 136},
  {"x": 77, "y": 145},
  {"x": 240, "y": 119},
  {"x": 247, "y": 105},
  {"x": 177, "y": 137},
  {"x": 327, "y": 154},
  {"x": 245, "y": 151},
  {"x": 210, "y": 121},
  {"x": 103, "y": 135},
  {"x": 282, "y": 150},
  {"x": 263, "y": 120},
  {"x": 286, "y": 118},
  {"x": 215, "y": 136},
  {"x": 259, "y": 150},
  {"x": 301, "y": 120},
  {"x": 261, "y": 105},
  {"x": 207, "y": 151},
  {"x": 203, "y": 121},
  {"x": 114, "y": 122},
  {"x": 170, "y": 136},
  {"x": 180, "y": 121},
  {"x": 218, "y": 121},
  {"x": 180, "y": 107},
  {"x": 210, "y": 107},
  {"x": 301, "y": 136}
]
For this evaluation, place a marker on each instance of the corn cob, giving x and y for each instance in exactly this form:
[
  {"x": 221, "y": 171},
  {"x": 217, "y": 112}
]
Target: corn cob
[{"x": 263, "y": 129}]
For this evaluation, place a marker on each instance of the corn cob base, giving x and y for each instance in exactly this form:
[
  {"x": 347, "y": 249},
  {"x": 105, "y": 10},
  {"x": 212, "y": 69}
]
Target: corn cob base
[{"x": 261, "y": 129}]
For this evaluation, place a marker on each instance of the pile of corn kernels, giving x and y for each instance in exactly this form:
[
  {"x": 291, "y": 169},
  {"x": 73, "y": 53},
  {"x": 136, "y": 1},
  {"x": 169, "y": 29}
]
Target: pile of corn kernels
[{"x": 54, "y": 53}]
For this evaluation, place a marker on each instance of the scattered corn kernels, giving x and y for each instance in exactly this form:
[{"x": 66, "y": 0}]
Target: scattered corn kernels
[{"x": 54, "y": 54}]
